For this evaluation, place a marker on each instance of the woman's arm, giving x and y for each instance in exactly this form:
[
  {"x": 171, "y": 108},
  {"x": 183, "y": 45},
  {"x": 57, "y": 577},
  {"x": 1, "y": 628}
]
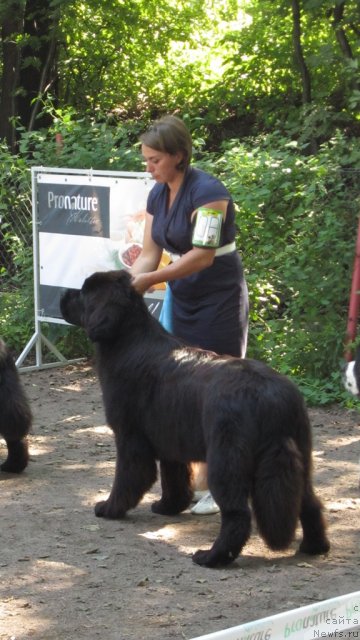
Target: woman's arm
[
  {"x": 193, "y": 261},
  {"x": 150, "y": 255}
]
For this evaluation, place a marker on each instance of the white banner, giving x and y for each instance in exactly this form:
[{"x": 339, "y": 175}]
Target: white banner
[
  {"x": 335, "y": 618},
  {"x": 86, "y": 223}
]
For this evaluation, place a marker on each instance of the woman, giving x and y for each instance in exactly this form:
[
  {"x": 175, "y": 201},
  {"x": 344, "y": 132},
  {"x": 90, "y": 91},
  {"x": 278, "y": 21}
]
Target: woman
[{"x": 191, "y": 214}]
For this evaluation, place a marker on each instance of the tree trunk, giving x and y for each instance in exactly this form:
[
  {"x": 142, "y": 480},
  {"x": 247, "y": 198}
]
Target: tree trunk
[
  {"x": 38, "y": 69},
  {"x": 27, "y": 73},
  {"x": 299, "y": 56},
  {"x": 339, "y": 31},
  {"x": 12, "y": 26}
]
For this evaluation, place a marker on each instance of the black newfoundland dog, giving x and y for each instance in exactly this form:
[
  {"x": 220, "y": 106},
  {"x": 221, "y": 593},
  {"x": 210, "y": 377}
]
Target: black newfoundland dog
[
  {"x": 15, "y": 414},
  {"x": 175, "y": 404}
]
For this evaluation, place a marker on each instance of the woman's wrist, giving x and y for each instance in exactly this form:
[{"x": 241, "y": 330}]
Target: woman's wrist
[
  {"x": 144, "y": 282},
  {"x": 154, "y": 278}
]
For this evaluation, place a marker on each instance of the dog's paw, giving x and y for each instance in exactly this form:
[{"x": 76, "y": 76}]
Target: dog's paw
[
  {"x": 104, "y": 509},
  {"x": 315, "y": 549},
  {"x": 18, "y": 457},
  {"x": 212, "y": 559},
  {"x": 11, "y": 466},
  {"x": 166, "y": 508}
]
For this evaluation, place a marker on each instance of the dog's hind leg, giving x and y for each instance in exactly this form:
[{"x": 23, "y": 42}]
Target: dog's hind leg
[
  {"x": 135, "y": 473},
  {"x": 229, "y": 479},
  {"x": 176, "y": 488},
  {"x": 314, "y": 541},
  {"x": 234, "y": 533},
  {"x": 18, "y": 456}
]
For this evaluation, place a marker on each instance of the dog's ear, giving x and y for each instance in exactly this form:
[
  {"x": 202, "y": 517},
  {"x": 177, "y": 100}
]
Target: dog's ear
[
  {"x": 109, "y": 300},
  {"x": 71, "y": 307}
]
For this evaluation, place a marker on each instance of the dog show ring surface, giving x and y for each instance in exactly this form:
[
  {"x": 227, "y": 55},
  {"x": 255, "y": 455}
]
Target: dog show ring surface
[{"x": 66, "y": 574}]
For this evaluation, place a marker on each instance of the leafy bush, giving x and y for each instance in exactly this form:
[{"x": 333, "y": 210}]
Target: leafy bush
[
  {"x": 297, "y": 219},
  {"x": 16, "y": 296},
  {"x": 17, "y": 302},
  {"x": 82, "y": 143}
]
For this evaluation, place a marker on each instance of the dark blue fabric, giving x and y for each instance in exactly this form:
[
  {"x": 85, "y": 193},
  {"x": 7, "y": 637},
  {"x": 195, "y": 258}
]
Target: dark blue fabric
[
  {"x": 172, "y": 229},
  {"x": 209, "y": 308}
]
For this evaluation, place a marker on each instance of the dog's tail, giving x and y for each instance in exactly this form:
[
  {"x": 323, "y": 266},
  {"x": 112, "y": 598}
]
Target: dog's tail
[{"x": 277, "y": 493}]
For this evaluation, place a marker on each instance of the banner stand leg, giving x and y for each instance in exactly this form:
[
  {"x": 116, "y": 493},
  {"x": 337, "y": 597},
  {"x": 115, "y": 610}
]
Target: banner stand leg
[
  {"x": 27, "y": 349},
  {"x": 36, "y": 341}
]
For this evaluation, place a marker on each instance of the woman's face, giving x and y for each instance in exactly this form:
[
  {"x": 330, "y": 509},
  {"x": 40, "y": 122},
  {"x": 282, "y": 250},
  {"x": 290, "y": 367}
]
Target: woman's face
[{"x": 161, "y": 165}]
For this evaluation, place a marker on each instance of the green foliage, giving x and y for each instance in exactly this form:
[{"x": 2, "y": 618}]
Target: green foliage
[
  {"x": 72, "y": 342},
  {"x": 225, "y": 60},
  {"x": 297, "y": 219},
  {"x": 14, "y": 184},
  {"x": 261, "y": 83},
  {"x": 16, "y": 271},
  {"x": 231, "y": 62},
  {"x": 17, "y": 303},
  {"x": 323, "y": 392},
  {"x": 118, "y": 55},
  {"x": 83, "y": 142}
]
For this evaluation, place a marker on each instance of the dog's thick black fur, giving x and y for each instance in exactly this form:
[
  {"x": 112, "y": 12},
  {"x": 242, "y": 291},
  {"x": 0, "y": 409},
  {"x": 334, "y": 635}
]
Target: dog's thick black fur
[
  {"x": 15, "y": 414},
  {"x": 169, "y": 402}
]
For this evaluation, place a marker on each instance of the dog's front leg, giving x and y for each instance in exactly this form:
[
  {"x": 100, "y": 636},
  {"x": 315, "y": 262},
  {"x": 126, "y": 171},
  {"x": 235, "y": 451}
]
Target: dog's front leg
[
  {"x": 135, "y": 473},
  {"x": 176, "y": 488}
]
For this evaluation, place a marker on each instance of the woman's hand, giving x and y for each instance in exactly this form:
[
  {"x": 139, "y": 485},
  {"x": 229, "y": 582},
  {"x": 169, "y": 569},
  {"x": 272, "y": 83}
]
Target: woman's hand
[{"x": 142, "y": 282}]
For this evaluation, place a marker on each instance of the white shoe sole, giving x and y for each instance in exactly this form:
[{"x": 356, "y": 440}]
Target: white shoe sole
[{"x": 206, "y": 506}]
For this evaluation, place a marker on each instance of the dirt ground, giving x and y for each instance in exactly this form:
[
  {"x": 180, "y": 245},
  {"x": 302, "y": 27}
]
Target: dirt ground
[{"x": 66, "y": 575}]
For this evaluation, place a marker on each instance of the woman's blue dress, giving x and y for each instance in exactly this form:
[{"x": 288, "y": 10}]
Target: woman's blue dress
[{"x": 208, "y": 309}]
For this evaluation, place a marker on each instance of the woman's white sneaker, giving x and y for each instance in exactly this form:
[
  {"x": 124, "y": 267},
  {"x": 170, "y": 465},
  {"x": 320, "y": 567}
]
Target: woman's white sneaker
[{"x": 205, "y": 506}]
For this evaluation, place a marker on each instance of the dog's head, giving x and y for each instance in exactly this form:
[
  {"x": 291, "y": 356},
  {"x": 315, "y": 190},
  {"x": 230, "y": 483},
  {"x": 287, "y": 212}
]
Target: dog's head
[
  {"x": 103, "y": 303},
  {"x": 351, "y": 375}
]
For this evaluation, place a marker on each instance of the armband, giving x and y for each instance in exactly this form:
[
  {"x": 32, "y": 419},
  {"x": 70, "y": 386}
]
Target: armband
[{"x": 207, "y": 228}]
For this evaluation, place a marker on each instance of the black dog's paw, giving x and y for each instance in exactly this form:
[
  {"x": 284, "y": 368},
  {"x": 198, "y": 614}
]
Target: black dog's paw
[
  {"x": 166, "y": 508},
  {"x": 212, "y": 558},
  {"x": 18, "y": 457},
  {"x": 10, "y": 467},
  {"x": 104, "y": 509},
  {"x": 315, "y": 549}
]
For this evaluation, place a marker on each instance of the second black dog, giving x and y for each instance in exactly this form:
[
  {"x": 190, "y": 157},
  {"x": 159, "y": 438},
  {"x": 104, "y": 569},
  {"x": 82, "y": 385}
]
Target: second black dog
[{"x": 15, "y": 414}]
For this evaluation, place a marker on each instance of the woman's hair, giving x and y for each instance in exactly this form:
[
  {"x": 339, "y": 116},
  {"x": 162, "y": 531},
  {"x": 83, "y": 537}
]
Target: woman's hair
[{"x": 170, "y": 135}]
